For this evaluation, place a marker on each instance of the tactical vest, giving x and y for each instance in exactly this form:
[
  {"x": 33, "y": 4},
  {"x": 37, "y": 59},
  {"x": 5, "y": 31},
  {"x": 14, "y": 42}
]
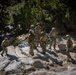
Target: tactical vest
[
  {"x": 38, "y": 29},
  {"x": 43, "y": 38},
  {"x": 31, "y": 38},
  {"x": 53, "y": 34}
]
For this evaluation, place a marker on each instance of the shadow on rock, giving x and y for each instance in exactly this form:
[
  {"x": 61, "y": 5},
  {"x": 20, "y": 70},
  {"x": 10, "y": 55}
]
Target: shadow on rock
[
  {"x": 51, "y": 52},
  {"x": 12, "y": 57},
  {"x": 37, "y": 49},
  {"x": 47, "y": 57},
  {"x": 56, "y": 61},
  {"x": 63, "y": 52},
  {"x": 73, "y": 61}
]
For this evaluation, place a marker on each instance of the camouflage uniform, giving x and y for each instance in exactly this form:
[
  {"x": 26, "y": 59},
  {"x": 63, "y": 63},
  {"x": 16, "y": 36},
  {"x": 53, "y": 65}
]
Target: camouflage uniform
[
  {"x": 43, "y": 42},
  {"x": 53, "y": 36},
  {"x": 69, "y": 46},
  {"x": 32, "y": 28},
  {"x": 38, "y": 30},
  {"x": 4, "y": 45},
  {"x": 31, "y": 41}
]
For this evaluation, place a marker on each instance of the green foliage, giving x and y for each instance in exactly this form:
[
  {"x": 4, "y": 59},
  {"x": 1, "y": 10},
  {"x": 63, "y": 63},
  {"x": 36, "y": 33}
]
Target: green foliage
[{"x": 49, "y": 12}]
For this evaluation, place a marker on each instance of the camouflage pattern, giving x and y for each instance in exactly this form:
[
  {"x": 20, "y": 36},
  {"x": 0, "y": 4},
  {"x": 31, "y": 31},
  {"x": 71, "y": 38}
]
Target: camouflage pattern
[
  {"x": 5, "y": 43},
  {"x": 31, "y": 41},
  {"x": 69, "y": 46},
  {"x": 53, "y": 36},
  {"x": 43, "y": 42},
  {"x": 38, "y": 30}
]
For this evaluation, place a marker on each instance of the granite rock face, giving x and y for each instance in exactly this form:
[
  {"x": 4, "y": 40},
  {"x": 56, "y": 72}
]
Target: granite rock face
[{"x": 54, "y": 62}]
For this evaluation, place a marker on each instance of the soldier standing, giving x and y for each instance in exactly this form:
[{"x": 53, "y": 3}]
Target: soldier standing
[
  {"x": 4, "y": 45},
  {"x": 31, "y": 41},
  {"x": 38, "y": 30},
  {"x": 53, "y": 36},
  {"x": 69, "y": 46},
  {"x": 32, "y": 27},
  {"x": 43, "y": 40}
]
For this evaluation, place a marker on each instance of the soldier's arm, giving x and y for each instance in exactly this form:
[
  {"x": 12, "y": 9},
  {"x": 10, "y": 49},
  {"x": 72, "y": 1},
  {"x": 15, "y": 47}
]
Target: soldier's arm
[
  {"x": 56, "y": 32},
  {"x": 2, "y": 43},
  {"x": 50, "y": 33},
  {"x": 41, "y": 28}
]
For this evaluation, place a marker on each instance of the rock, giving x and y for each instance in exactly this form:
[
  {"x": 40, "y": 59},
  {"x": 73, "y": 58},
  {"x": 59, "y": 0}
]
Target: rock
[
  {"x": 62, "y": 47},
  {"x": 71, "y": 71},
  {"x": 39, "y": 64},
  {"x": 13, "y": 65},
  {"x": 14, "y": 68},
  {"x": 23, "y": 43},
  {"x": 29, "y": 68},
  {"x": 43, "y": 73},
  {"x": 11, "y": 51},
  {"x": 36, "y": 57},
  {"x": 19, "y": 52},
  {"x": 14, "y": 72},
  {"x": 2, "y": 58},
  {"x": 4, "y": 64},
  {"x": 27, "y": 61}
]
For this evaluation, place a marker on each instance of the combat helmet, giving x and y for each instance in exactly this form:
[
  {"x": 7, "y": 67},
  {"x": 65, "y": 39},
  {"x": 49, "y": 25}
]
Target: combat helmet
[
  {"x": 42, "y": 33},
  {"x": 38, "y": 23},
  {"x": 32, "y": 26}
]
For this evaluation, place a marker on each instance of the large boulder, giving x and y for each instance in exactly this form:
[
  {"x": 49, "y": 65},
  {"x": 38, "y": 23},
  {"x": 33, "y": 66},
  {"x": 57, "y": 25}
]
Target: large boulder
[{"x": 39, "y": 64}]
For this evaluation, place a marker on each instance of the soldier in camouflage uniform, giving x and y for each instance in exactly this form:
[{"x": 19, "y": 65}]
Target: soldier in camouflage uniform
[
  {"x": 5, "y": 43},
  {"x": 32, "y": 27},
  {"x": 38, "y": 30},
  {"x": 69, "y": 46},
  {"x": 31, "y": 41},
  {"x": 43, "y": 40},
  {"x": 53, "y": 36}
]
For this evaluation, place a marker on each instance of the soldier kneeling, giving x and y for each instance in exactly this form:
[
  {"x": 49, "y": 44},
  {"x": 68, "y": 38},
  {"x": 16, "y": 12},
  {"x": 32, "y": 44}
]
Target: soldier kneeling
[{"x": 4, "y": 45}]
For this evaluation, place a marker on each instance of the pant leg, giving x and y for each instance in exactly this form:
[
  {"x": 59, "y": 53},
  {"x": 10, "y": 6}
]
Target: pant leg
[
  {"x": 51, "y": 42},
  {"x": 31, "y": 52},
  {"x": 4, "y": 51},
  {"x": 54, "y": 42},
  {"x": 68, "y": 53},
  {"x": 36, "y": 39},
  {"x": 43, "y": 46}
]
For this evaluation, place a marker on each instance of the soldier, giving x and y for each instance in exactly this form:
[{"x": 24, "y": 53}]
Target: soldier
[
  {"x": 69, "y": 46},
  {"x": 31, "y": 41},
  {"x": 53, "y": 36},
  {"x": 38, "y": 30},
  {"x": 32, "y": 28},
  {"x": 4, "y": 45},
  {"x": 43, "y": 40}
]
